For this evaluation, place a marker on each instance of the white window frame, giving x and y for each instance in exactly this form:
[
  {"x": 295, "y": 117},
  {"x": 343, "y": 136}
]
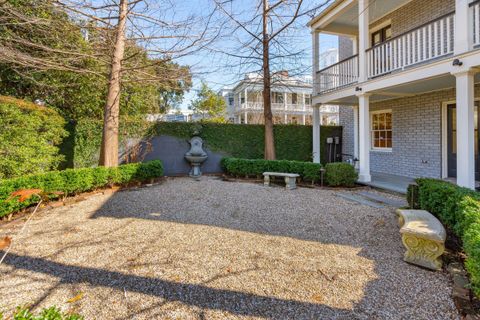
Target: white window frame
[{"x": 372, "y": 148}]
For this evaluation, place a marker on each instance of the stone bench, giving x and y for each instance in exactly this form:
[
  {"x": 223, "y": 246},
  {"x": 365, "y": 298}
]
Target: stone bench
[
  {"x": 290, "y": 179},
  {"x": 423, "y": 236}
]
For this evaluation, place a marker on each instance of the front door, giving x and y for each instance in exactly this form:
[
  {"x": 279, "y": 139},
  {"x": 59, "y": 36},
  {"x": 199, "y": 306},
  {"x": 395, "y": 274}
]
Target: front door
[{"x": 452, "y": 141}]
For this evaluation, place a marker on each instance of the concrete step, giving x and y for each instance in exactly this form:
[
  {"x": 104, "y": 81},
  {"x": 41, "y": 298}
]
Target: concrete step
[
  {"x": 384, "y": 200},
  {"x": 360, "y": 199}
]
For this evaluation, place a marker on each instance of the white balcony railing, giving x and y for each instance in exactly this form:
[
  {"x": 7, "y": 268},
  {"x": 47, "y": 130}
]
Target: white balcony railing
[
  {"x": 427, "y": 42},
  {"x": 276, "y": 107},
  {"x": 475, "y": 11},
  {"x": 339, "y": 75}
]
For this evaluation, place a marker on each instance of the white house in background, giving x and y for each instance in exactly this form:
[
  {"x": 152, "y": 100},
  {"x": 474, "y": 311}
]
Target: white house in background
[
  {"x": 407, "y": 86},
  {"x": 291, "y": 101},
  {"x": 229, "y": 97},
  {"x": 175, "y": 116},
  {"x": 328, "y": 57}
]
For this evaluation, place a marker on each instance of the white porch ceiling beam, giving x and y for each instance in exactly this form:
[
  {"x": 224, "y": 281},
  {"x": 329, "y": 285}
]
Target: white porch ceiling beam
[{"x": 332, "y": 14}]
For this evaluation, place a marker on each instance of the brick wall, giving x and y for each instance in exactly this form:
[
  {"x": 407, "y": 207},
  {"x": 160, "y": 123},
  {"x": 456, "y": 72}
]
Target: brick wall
[
  {"x": 345, "y": 48},
  {"x": 346, "y": 118},
  {"x": 416, "y": 13},
  {"x": 417, "y": 134}
]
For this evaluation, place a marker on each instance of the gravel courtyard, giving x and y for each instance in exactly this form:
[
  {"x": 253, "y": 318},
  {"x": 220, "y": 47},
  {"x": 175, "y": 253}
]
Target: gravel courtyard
[{"x": 219, "y": 250}]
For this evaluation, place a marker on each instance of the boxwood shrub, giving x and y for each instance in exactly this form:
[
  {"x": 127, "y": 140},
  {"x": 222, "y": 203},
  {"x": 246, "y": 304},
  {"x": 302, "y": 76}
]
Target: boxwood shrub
[
  {"x": 308, "y": 171},
  {"x": 340, "y": 174},
  {"x": 458, "y": 209},
  {"x": 74, "y": 181}
]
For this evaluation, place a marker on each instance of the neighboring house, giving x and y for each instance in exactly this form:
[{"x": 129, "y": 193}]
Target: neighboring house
[
  {"x": 328, "y": 57},
  {"x": 175, "y": 116},
  {"x": 291, "y": 100},
  {"x": 229, "y": 96},
  {"x": 407, "y": 83}
]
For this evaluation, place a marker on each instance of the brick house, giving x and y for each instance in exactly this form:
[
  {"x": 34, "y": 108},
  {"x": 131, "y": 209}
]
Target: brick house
[{"x": 407, "y": 86}]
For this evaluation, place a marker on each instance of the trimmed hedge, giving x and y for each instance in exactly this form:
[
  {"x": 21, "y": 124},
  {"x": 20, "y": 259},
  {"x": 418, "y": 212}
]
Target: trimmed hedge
[
  {"x": 29, "y": 137},
  {"x": 292, "y": 142},
  {"x": 308, "y": 171},
  {"x": 340, "y": 174},
  {"x": 74, "y": 181},
  {"x": 459, "y": 209}
]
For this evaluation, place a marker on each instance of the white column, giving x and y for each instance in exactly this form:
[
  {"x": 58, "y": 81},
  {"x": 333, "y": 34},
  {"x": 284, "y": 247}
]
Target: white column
[
  {"x": 364, "y": 137},
  {"x": 246, "y": 117},
  {"x": 356, "y": 147},
  {"x": 363, "y": 39},
  {"x": 285, "y": 107},
  {"x": 463, "y": 27},
  {"x": 355, "y": 45},
  {"x": 316, "y": 134},
  {"x": 465, "y": 129},
  {"x": 316, "y": 59}
]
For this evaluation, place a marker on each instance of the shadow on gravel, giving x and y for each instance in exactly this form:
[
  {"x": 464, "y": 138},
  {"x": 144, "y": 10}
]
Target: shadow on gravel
[{"x": 235, "y": 302}]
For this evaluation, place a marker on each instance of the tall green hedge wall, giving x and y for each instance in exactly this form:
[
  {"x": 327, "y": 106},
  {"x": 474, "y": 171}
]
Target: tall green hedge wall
[{"x": 293, "y": 142}]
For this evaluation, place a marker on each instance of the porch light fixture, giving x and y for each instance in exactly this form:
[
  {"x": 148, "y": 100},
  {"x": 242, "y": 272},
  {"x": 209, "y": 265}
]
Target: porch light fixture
[
  {"x": 457, "y": 63},
  {"x": 358, "y": 89}
]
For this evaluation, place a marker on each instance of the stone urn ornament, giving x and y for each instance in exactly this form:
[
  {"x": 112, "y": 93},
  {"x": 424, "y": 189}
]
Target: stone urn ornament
[{"x": 196, "y": 156}]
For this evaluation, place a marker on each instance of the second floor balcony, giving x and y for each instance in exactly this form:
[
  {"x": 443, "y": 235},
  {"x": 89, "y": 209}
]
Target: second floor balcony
[
  {"x": 276, "y": 107},
  {"x": 425, "y": 43}
]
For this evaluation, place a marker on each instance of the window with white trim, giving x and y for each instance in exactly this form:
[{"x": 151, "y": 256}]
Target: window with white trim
[{"x": 381, "y": 130}]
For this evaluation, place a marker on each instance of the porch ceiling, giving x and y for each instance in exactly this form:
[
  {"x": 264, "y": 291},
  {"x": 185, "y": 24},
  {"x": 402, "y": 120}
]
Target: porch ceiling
[
  {"x": 347, "y": 21},
  {"x": 409, "y": 89}
]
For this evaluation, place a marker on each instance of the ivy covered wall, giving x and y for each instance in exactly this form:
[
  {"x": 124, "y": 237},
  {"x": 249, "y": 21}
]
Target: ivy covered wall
[{"x": 292, "y": 142}]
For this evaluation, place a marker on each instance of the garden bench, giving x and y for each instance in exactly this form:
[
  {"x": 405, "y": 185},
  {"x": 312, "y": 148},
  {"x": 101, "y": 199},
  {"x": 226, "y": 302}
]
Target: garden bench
[
  {"x": 423, "y": 236},
  {"x": 290, "y": 179}
]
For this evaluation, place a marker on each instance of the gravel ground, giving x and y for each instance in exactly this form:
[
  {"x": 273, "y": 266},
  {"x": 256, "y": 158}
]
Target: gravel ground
[{"x": 219, "y": 250}]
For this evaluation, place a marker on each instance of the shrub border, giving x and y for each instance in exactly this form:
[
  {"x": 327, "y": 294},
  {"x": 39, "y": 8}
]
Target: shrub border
[{"x": 74, "y": 181}]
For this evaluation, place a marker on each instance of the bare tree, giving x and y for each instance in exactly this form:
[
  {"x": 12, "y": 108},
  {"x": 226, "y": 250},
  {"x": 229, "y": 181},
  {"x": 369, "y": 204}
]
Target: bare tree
[
  {"x": 127, "y": 41},
  {"x": 265, "y": 37}
]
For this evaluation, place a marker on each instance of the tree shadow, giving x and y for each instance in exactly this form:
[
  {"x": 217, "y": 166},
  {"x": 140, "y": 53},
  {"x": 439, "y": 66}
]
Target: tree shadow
[
  {"x": 235, "y": 302},
  {"x": 392, "y": 289}
]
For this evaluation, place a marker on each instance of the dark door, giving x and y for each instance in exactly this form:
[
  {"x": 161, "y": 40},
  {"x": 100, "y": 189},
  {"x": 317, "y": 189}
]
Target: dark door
[{"x": 452, "y": 141}]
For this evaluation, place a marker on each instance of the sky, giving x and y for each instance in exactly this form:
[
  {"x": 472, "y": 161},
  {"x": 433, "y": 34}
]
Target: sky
[{"x": 209, "y": 67}]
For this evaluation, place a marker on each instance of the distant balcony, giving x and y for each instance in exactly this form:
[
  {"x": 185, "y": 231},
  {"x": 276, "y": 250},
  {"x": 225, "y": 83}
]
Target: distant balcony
[{"x": 276, "y": 107}]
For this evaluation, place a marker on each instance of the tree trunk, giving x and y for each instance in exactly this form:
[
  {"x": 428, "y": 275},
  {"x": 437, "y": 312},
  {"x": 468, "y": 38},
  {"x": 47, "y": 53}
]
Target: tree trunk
[
  {"x": 267, "y": 101},
  {"x": 109, "y": 148}
]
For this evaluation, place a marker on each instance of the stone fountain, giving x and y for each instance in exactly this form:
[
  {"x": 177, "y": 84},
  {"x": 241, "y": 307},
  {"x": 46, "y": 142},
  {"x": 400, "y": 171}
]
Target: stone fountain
[{"x": 196, "y": 156}]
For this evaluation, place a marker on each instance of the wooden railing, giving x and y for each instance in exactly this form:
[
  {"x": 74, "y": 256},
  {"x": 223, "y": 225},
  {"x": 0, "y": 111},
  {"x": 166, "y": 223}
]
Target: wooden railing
[
  {"x": 475, "y": 11},
  {"x": 336, "y": 76},
  {"x": 429, "y": 41}
]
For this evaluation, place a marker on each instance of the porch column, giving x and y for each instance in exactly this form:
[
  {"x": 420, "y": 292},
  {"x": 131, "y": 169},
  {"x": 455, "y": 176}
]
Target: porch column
[
  {"x": 465, "y": 128},
  {"x": 285, "y": 105},
  {"x": 355, "y": 133},
  {"x": 316, "y": 59},
  {"x": 463, "y": 27},
  {"x": 246, "y": 117},
  {"x": 363, "y": 39},
  {"x": 364, "y": 137},
  {"x": 316, "y": 134}
]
